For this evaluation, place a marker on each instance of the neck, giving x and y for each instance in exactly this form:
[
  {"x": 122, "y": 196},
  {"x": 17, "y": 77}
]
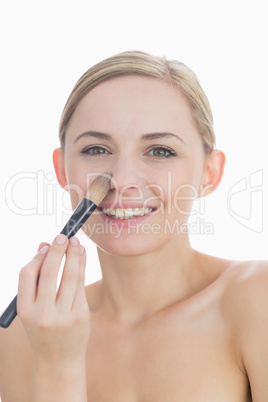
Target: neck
[{"x": 136, "y": 287}]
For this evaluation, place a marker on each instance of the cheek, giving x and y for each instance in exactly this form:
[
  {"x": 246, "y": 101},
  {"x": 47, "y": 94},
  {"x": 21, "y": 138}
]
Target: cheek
[
  {"x": 78, "y": 180},
  {"x": 183, "y": 188},
  {"x": 183, "y": 199},
  {"x": 174, "y": 189}
]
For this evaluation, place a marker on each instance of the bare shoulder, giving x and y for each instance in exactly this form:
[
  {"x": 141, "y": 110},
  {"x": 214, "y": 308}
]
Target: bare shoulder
[
  {"x": 241, "y": 289},
  {"x": 16, "y": 359},
  {"x": 241, "y": 286},
  {"x": 244, "y": 306},
  {"x": 245, "y": 285}
]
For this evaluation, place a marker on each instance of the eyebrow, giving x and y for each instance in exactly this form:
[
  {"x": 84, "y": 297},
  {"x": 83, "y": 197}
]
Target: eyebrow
[
  {"x": 154, "y": 136},
  {"x": 144, "y": 137},
  {"x": 95, "y": 134}
]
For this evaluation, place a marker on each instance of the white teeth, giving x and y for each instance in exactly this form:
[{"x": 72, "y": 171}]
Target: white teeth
[
  {"x": 129, "y": 213},
  {"x": 126, "y": 213},
  {"x": 119, "y": 213}
]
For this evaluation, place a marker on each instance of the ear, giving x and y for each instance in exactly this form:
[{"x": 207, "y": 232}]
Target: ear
[
  {"x": 214, "y": 167},
  {"x": 59, "y": 166}
]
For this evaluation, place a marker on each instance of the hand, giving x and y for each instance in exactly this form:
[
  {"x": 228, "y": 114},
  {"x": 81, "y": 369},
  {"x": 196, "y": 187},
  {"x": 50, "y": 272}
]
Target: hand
[{"x": 56, "y": 322}]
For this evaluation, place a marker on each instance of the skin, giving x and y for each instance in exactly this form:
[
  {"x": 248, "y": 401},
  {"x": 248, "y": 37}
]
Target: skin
[{"x": 165, "y": 322}]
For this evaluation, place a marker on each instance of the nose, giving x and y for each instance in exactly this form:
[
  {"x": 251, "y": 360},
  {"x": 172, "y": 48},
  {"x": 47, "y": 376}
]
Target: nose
[{"x": 128, "y": 177}]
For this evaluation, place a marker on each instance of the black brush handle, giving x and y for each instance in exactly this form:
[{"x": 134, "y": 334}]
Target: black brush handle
[
  {"x": 9, "y": 314},
  {"x": 78, "y": 218}
]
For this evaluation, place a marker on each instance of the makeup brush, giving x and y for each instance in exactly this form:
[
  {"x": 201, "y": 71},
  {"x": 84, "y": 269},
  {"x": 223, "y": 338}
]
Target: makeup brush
[{"x": 96, "y": 193}]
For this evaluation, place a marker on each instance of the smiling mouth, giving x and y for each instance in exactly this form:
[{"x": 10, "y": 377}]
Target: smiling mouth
[{"x": 126, "y": 213}]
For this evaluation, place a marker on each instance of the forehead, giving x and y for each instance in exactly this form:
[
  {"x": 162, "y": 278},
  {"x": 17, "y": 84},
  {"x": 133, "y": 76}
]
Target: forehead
[{"x": 132, "y": 104}]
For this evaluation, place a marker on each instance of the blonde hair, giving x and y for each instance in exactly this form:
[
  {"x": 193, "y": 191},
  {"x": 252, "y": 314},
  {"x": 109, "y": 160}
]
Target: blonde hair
[{"x": 172, "y": 72}]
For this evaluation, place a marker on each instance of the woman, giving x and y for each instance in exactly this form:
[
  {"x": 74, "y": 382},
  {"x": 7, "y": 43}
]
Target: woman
[{"x": 165, "y": 322}]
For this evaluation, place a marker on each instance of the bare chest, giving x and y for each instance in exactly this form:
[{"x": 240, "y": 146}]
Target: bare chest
[{"x": 187, "y": 358}]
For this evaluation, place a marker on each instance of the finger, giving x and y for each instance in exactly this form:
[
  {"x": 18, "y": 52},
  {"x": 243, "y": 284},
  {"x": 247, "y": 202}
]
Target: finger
[
  {"x": 28, "y": 280},
  {"x": 41, "y": 245},
  {"x": 70, "y": 274},
  {"x": 47, "y": 287},
  {"x": 80, "y": 299}
]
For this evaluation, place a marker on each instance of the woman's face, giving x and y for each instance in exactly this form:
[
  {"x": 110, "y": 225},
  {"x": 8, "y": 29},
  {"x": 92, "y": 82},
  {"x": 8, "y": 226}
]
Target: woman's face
[{"x": 141, "y": 130}]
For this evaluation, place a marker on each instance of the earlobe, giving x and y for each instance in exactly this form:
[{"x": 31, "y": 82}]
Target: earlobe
[
  {"x": 213, "y": 172},
  {"x": 58, "y": 162}
]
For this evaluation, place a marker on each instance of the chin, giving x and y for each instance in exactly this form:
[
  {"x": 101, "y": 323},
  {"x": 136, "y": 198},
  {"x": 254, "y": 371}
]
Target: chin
[{"x": 129, "y": 246}]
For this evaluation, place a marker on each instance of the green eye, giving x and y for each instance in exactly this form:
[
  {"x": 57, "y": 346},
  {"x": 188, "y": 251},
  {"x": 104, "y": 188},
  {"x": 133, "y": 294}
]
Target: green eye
[
  {"x": 98, "y": 150},
  {"x": 94, "y": 151},
  {"x": 162, "y": 152},
  {"x": 159, "y": 152}
]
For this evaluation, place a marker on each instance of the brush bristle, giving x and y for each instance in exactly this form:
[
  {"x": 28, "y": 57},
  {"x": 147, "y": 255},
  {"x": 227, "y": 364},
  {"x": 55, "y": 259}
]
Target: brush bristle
[{"x": 99, "y": 188}]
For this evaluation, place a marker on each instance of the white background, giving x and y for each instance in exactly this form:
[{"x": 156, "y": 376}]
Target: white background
[{"x": 45, "y": 48}]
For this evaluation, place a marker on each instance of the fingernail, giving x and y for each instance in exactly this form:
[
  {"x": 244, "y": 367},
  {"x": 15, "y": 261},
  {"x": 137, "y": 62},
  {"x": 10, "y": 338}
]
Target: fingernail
[
  {"x": 61, "y": 239},
  {"x": 43, "y": 250},
  {"x": 81, "y": 249},
  {"x": 74, "y": 241},
  {"x": 39, "y": 248}
]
